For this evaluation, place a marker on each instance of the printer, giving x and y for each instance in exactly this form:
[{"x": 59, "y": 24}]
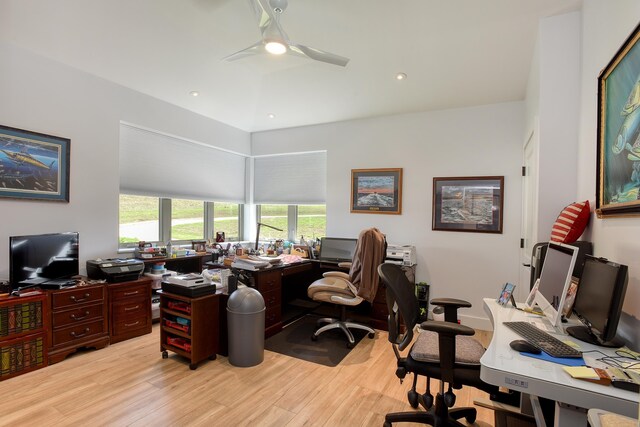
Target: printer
[
  {"x": 401, "y": 255},
  {"x": 115, "y": 270}
]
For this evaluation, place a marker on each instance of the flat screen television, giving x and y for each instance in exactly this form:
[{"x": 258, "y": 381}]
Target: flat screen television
[
  {"x": 38, "y": 259},
  {"x": 599, "y": 300},
  {"x": 337, "y": 249},
  {"x": 555, "y": 280}
]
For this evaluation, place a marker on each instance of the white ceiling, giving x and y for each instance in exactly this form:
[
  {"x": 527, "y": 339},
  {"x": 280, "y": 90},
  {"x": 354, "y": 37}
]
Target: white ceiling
[{"x": 456, "y": 53}]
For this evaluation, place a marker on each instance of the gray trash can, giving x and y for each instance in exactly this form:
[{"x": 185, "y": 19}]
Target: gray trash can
[{"x": 245, "y": 316}]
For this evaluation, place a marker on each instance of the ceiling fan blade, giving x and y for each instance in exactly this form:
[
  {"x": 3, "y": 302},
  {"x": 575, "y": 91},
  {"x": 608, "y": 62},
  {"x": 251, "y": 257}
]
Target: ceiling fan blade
[
  {"x": 254, "y": 49},
  {"x": 318, "y": 55}
]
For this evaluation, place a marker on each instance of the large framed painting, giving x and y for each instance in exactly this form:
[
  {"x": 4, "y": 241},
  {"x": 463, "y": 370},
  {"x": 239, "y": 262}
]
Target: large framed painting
[
  {"x": 376, "y": 191},
  {"x": 468, "y": 204},
  {"x": 618, "y": 165},
  {"x": 33, "y": 165}
]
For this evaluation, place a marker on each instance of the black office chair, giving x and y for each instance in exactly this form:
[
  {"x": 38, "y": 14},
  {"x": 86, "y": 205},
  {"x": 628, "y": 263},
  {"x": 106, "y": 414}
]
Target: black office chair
[{"x": 444, "y": 350}]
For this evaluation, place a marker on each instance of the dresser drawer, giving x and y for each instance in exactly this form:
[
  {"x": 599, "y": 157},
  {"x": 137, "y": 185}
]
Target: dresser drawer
[
  {"x": 125, "y": 326},
  {"x": 73, "y": 316},
  {"x": 75, "y": 297},
  {"x": 128, "y": 309},
  {"x": 268, "y": 281},
  {"x": 78, "y": 333},
  {"x": 131, "y": 291}
]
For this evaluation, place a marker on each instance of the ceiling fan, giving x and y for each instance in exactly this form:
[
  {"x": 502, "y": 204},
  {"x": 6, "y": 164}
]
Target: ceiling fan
[{"x": 275, "y": 40}]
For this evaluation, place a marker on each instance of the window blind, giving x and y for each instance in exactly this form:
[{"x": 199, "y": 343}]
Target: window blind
[
  {"x": 294, "y": 179},
  {"x": 155, "y": 164}
]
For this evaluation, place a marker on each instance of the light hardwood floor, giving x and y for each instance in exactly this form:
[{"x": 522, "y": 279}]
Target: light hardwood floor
[{"x": 128, "y": 383}]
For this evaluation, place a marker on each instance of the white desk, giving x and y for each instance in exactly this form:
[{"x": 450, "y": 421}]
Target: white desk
[{"x": 502, "y": 366}]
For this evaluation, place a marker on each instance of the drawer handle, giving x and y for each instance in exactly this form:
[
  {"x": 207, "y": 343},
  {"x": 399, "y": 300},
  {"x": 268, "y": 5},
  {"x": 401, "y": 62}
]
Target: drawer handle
[
  {"x": 74, "y": 317},
  {"x": 132, "y": 324},
  {"x": 86, "y": 331},
  {"x": 131, "y": 293},
  {"x": 74, "y": 299},
  {"x": 132, "y": 308}
]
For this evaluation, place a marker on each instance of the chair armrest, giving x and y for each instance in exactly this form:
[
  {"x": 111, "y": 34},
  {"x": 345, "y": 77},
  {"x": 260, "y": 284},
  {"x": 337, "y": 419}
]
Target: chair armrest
[
  {"x": 344, "y": 264},
  {"x": 447, "y": 328},
  {"x": 451, "y": 306}
]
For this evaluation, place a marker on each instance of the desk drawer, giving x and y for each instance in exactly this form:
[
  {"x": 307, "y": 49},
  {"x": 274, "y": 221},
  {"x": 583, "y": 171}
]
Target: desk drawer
[
  {"x": 77, "y": 315},
  {"x": 272, "y": 298},
  {"x": 128, "y": 325},
  {"x": 379, "y": 311},
  {"x": 78, "y": 333},
  {"x": 74, "y": 297},
  {"x": 268, "y": 281},
  {"x": 272, "y": 316},
  {"x": 294, "y": 269}
]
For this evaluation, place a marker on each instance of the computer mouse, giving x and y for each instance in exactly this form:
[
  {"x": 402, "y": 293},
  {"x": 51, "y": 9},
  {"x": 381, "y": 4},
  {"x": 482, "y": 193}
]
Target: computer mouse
[{"x": 526, "y": 346}]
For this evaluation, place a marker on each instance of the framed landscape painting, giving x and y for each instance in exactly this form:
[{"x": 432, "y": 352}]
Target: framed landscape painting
[
  {"x": 33, "y": 165},
  {"x": 376, "y": 191},
  {"x": 468, "y": 204},
  {"x": 618, "y": 165}
]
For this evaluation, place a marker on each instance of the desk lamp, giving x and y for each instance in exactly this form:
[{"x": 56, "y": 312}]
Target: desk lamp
[{"x": 258, "y": 233}]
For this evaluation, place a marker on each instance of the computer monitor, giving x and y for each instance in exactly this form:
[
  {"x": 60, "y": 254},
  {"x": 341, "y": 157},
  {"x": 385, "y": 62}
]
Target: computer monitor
[
  {"x": 599, "y": 301},
  {"x": 555, "y": 280},
  {"x": 337, "y": 249}
]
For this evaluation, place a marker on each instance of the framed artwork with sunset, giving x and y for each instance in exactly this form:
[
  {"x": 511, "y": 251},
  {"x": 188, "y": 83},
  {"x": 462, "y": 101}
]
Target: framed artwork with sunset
[{"x": 377, "y": 191}]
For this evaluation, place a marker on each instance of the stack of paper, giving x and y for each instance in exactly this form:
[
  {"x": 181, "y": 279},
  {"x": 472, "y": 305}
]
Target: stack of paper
[
  {"x": 250, "y": 264},
  {"x": 586, "y": 373}
]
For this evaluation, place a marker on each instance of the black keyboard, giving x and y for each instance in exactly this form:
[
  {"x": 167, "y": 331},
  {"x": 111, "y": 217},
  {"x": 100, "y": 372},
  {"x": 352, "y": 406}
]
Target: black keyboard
[{"x": 545, "y": 342}]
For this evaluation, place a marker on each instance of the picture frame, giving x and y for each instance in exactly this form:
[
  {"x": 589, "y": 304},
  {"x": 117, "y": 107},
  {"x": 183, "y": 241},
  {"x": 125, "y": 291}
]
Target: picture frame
[
  {"x": 377, "y": 191},
  {"x": 618, "y": 138},
  {"x": 505, "y": 294},
  {"x": 470, "y": 204},
  {"x": 33, "y": 166}
]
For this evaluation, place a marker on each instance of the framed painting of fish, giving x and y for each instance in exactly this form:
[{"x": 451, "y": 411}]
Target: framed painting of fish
[
  {"x": 377, "y": 191},
  {"x": 33, "y": 165},
  {"x": 618, "y": 158},
  {"x": 468, "y": 204}
]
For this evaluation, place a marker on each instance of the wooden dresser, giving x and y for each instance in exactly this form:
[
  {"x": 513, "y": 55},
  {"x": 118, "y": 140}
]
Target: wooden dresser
[
  {"x": 79, "y": 318},
  {"x": 23, "y": 334},
  {"x": 129, "y": 309}
]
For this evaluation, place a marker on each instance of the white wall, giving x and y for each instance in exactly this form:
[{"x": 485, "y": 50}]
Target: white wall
[
  {"x": 606, "y": 24},
  {"x": 477, "y": 141},
  {"x": 40, "y": 95}
]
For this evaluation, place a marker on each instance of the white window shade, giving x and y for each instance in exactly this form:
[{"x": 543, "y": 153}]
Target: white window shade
[
  {"x": 154, "y": 164},
  {"x": 293, "y": 179}
]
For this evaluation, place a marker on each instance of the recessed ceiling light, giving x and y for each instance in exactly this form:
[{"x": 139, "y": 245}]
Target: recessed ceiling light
[
  {"x": 194, "y": 93},
  {"x": 271, "y": 116},
  {"x": 401, "y": 76}
]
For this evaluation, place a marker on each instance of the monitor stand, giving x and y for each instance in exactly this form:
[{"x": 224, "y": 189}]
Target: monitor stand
[{"x": 584, "y": 334}]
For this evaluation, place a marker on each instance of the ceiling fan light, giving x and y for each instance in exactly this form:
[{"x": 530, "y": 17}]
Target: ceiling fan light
[{"x": 275, "y": 48}]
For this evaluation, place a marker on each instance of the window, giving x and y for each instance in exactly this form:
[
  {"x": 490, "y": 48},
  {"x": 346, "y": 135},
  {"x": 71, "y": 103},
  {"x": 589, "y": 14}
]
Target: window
[
  {"x": 187, "y": 219},
  {"x": 139, "y": 219},
  {"x": 275, "y": 216},
  {"x": 312, "y": 221},
  {"x": 158, "y": 220},
  {"x": 226, "y": 218}
]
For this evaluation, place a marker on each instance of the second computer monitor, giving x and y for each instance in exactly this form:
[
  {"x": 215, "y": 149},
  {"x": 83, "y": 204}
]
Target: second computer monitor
[
  {"x": 337, "y": 249},
  {"x": 555, "y": 280}
]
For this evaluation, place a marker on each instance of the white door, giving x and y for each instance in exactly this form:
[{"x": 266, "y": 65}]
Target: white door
[{"x": 529, "y": 210}]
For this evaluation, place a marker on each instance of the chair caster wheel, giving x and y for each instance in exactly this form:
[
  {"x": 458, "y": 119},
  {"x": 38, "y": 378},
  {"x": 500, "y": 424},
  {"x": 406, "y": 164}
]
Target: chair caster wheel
[
  {"x": 193, "y": 366},
  {"x": 471, "y": 418},
  {"x": 449, "y": 399},
  {"x": 314, "y": 337},
  {"x": 351, "y": 344},
  {"x": 427, "y": 400},
  {"x": 412, "y": 396},
  {"x": 371, "y": 335},
  {"x": 165, "y": 354}
]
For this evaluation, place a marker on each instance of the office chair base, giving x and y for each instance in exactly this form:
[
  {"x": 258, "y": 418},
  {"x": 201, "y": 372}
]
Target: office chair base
[
  {"x": 344, "y": 325},
  {"x": 440, "y": 415}
]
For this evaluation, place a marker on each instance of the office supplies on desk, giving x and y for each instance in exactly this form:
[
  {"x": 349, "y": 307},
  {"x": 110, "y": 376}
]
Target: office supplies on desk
[
  {"x": 190, "y": 279},
  {"x": 595, "y": 375}
]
